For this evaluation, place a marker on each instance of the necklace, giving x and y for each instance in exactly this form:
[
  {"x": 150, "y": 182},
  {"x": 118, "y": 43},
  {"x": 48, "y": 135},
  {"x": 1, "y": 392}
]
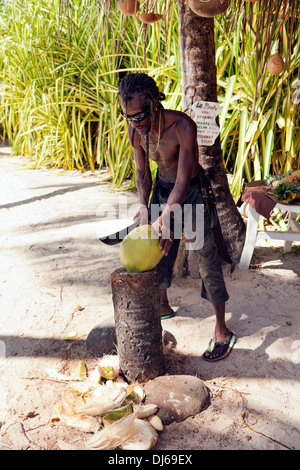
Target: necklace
[{"x": 159, "y": 136}]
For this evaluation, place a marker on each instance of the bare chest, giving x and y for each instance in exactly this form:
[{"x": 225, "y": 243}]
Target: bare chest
[{"x": 164, "y": 150}]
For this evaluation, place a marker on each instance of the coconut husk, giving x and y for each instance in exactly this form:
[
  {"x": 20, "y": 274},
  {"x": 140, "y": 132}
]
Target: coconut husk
[
  {"x": 103, "y": 400},
  {"x": 128, "y": 433},
  {"x": 145, "y": 436},
  {"x": 113, "y": 435},
  {"x": 65, "y": 413}
]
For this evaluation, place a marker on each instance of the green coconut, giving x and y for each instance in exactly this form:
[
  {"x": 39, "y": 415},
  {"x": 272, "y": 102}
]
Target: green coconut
[{"x": 139, "y": 250}]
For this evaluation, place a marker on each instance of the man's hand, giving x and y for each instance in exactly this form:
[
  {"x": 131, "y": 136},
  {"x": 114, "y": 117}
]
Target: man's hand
[
  {"x": 142, "y": 216},
  {"x": 164, "y": 233}
]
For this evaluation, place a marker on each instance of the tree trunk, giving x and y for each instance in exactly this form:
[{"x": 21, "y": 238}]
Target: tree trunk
[
  {"x": 199, "y": 83},
  {"x": 138, "y": 324}
]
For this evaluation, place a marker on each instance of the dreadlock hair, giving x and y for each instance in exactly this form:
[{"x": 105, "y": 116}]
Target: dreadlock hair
[
  {"x": 143, "y": 84},
  {"x": 146, "y": 86}
]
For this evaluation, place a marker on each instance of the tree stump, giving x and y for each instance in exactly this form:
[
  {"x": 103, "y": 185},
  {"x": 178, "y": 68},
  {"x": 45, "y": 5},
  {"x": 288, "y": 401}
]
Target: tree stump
[{"x": 138, "y": 324}]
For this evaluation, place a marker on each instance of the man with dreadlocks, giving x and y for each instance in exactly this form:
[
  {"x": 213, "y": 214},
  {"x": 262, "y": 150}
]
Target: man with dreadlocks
[{"x": 169, "y": 138}]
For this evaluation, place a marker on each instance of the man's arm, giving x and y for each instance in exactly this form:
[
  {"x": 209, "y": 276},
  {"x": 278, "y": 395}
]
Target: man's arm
[
  {"x": 143, "y": 174},
  {"x": 186, "y": 132}
]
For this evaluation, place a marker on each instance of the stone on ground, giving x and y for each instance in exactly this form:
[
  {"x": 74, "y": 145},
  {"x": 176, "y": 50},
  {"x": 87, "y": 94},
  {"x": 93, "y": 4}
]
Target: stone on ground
[{"x": 177, "y": 396}]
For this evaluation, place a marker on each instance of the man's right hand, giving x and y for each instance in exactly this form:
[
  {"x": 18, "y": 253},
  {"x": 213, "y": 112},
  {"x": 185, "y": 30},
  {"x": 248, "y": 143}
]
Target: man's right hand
[{"x": 164, "y": 234}]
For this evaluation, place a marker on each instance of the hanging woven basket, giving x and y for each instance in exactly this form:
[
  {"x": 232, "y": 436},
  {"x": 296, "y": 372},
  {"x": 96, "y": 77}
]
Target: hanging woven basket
[
  {"x": 149, "y": 17},
  {"x": 208, "y": 8},
  {"x": 128, "y": 7},
  {"x": 276, "y": 64}
]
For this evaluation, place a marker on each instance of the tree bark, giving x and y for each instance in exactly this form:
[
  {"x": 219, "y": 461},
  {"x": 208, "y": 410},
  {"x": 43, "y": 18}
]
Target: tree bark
[{"x": 199, "y": 83}]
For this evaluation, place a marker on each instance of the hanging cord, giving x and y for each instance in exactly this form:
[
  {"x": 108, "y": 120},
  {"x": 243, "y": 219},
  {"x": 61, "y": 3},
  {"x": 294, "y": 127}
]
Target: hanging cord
[
  {"x": 158, "y": 137},
  {"x": 281, "y": 27},
  {"x": 147, "y": 166},
  {"x": 147, "y": 150}
]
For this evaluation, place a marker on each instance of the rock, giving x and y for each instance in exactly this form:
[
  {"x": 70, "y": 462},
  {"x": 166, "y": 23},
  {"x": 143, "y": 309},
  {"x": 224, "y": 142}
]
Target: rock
[
  {"x": 169, "y": 340},
  {"x": 102, "y": 340},
  {"x": 177, "y": 396}
]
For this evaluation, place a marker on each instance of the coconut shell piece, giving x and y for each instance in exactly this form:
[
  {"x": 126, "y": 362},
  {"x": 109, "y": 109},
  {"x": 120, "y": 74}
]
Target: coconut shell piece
[
  {"x": 149, "y": 18},
  {"x": 156, "y": 422},
  {"x": 135, "y": 393},
  {"x": 208, "y": 8},
  {"x": 108, "y": 367},
  {"x": 144, "y": 411}
]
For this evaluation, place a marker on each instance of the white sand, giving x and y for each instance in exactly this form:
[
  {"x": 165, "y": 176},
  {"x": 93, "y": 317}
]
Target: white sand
[{"x": 55, "y": 277}]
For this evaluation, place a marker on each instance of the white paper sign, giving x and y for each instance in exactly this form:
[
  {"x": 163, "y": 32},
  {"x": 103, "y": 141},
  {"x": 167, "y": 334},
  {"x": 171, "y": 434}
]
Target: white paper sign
[{"x": 205, "y": 118}]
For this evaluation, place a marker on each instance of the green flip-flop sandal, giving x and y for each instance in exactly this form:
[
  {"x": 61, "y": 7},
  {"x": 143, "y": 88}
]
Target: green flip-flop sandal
[{"x": 224, "y": 351}]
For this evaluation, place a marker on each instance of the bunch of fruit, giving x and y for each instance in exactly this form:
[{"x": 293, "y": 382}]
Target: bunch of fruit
[
  {"x": 285, "y": 188},
  {"x": 292, "y": 178}
]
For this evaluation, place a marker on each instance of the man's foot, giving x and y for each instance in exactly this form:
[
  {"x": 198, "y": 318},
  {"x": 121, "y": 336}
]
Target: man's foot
[
  {"x": 218, "y": 350},
  {"x": 166, "y": 311}
]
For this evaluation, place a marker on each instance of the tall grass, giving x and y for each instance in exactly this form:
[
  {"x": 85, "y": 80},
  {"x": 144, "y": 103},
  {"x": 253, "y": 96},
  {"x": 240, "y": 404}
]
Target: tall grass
[
  {"x": 258, "y": 123},
  {"x": 60, "y": 76}
]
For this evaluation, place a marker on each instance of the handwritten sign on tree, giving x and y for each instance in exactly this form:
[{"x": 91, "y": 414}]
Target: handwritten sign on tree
[{"x": 205, "y": 117}]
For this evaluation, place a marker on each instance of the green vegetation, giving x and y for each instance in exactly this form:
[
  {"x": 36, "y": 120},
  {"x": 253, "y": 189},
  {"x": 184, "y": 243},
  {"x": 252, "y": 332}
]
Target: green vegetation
[{"x": 259, "y": 132}]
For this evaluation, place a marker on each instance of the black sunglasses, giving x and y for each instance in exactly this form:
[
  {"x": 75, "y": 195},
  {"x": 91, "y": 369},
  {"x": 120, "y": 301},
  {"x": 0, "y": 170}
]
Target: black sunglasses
[{"x": 137, "y": 117}]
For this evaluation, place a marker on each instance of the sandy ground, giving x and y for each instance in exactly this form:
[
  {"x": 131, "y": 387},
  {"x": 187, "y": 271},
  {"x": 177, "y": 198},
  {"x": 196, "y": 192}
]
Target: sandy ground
[{"x": 55, "y": 276}]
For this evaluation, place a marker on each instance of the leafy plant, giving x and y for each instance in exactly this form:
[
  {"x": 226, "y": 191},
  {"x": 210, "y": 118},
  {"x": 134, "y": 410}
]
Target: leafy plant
[
  {"x": 286, "y": 191},
  {"x": 259, "y": 118},
  {"x": 60, "y": 75}
]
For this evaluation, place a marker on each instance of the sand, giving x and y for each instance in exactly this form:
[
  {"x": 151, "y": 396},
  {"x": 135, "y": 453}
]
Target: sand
[{"x": 55, "y": 277}]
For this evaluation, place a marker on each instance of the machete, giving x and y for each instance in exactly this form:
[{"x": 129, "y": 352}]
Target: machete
[{"x": 117, "y": 237}]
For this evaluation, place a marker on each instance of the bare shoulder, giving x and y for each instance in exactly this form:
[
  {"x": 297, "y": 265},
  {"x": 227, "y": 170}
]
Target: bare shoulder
[{"x": 180, "y": 120}]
